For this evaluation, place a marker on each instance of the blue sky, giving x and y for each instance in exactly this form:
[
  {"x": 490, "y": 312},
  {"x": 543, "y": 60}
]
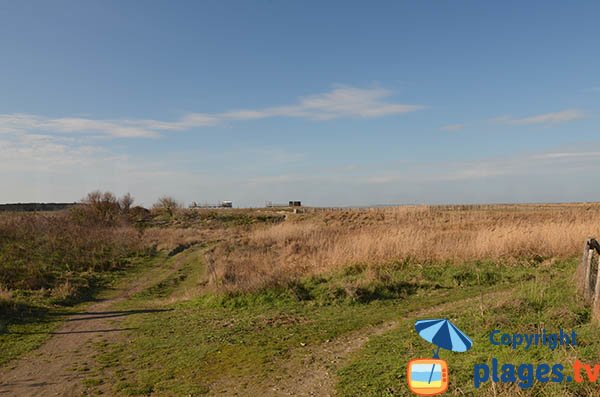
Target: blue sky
[{"x": 331, "y": 103}]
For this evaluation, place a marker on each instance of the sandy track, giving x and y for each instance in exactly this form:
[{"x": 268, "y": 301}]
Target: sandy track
[{"x": 59, "y": 366}]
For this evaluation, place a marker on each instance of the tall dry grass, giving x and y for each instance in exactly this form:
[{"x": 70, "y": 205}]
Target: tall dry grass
[
  {"x": 40, "y": 251},
  {"x": 325, "y": 240}
]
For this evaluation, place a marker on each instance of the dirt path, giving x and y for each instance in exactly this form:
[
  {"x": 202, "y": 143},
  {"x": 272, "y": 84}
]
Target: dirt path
[
  {"x": 314, "y": 374},
  {"x": 59, "y": 366}
]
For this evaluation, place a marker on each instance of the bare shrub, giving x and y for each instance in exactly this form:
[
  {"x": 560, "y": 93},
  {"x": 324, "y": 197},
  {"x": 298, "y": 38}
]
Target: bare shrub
[
  {"x": 126, "y": 202},
  {"x": 167, "y": 206},
  {"x": 102, "y": 208}
]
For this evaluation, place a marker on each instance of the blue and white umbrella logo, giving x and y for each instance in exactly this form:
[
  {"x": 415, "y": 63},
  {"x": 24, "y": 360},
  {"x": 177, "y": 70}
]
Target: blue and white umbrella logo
[{"x": 443, "y": 334}]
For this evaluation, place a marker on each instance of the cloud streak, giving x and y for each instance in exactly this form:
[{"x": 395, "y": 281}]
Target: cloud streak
[
  {"x": 562, "y": 116},
  {"x": 452, "y": 127},
  {"x": 341, "y": 102}
]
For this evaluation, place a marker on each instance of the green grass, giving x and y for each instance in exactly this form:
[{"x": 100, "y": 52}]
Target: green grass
[
  {"x": 215, "y": 341},
  {"x": 547, "y": 300},
  {"x": 173, "y": 274},
  {"x": 198, "y": 343}
]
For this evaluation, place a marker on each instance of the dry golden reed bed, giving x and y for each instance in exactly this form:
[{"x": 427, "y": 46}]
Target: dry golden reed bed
[{"x": 321, "y": 241}]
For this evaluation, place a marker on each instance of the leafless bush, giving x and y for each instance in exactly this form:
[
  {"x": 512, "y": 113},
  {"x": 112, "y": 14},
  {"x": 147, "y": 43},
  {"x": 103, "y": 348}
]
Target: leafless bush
[
  {"x": 103, "y": 208},
  {"x": 167, "y": 206},
  {"x": 126, "y": 202}
]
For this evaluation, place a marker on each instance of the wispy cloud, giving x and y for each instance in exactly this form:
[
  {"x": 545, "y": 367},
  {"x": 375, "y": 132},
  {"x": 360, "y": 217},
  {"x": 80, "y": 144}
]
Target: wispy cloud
[
  {"x": 30, "y": 122},
  {"x": 591, "y": 89},
  {"x": 562, "y": 116},
  {"x": 452, "y": 127},
  {"x": 547, "y": 163},
  {"x": 538, "y": 163},
  {"x": 341, "y": 102},
  {"x": 567, "y": 155},
  {"x": 44, "y": 154}
]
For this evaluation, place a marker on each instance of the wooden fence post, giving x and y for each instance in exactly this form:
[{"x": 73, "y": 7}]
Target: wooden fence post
[
  {"x": 589, "y": 292},
  {"x": 582, "y": 269},
  {"x": 584, "y": 272},
  {"x": 588, "y": 277},
  {"x": 596, "y": 297}
]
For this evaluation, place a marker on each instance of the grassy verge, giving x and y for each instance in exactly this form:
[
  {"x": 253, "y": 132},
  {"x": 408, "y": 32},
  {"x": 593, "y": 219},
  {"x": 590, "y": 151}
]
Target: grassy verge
[
  {"x": 50, "y": 262},
  {"x": 31, "y": 316}
]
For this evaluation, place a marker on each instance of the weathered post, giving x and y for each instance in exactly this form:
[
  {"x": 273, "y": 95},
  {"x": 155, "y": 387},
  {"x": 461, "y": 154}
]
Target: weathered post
[
  {"x": 582, "y": 268},
  {"x": 588, "y": 276},
  {"x": 596, "y": 297},
  {"x": 584, "y": 271},
  {"x": 595, "y": 289},
  {"x": 588, "y": 292}
]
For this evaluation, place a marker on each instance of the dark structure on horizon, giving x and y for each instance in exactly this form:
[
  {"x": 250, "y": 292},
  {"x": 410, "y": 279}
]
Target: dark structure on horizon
[{"x": 32, "y": 207}]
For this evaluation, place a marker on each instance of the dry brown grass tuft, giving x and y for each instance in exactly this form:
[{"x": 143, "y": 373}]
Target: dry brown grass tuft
[
  {"x": 169, "y": 238},
  {"x": 322, "y": 241}
]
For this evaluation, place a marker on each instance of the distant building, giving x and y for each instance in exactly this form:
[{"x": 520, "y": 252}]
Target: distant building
[
  {"x": 270, "y": 204},
  {"x": 227, "y": 204}
]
